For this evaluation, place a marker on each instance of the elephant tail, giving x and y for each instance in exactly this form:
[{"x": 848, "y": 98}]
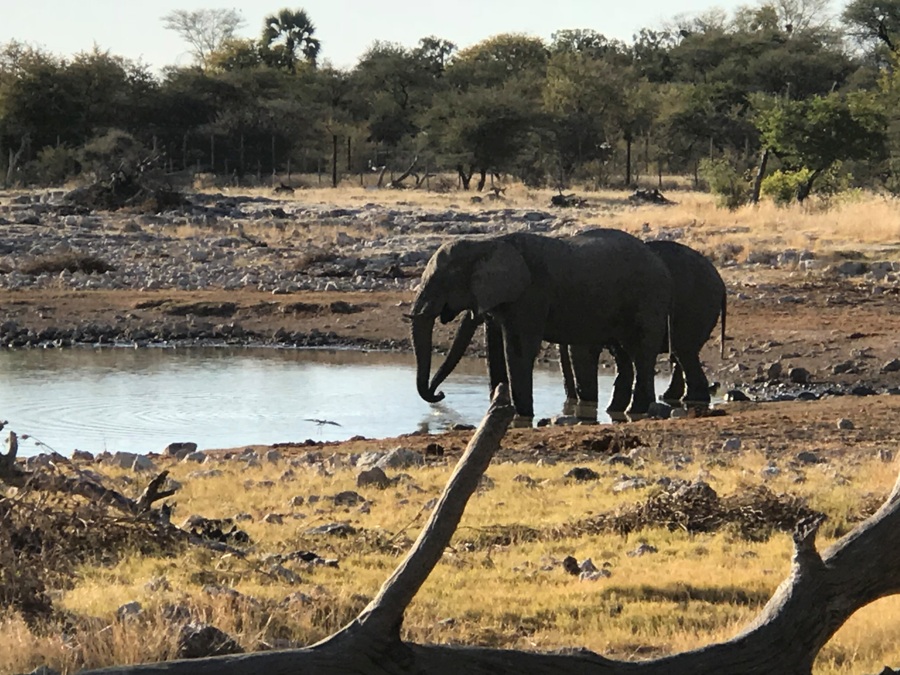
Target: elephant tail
[{"x": 724, "y": 312}]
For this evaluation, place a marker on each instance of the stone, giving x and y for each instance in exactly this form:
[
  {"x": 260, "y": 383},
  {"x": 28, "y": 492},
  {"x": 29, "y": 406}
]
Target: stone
[
  {"x": 400, "y": 458},
  {"x": 798, "y": 375},
  {"x": 274, "y": 518},
  {"x": 335, "y": 529},
  {"x": 297, "y": 501},
  {"x": 123, "y": 460},
  {"x": 736, "y": 396},
  {"x": 774, "y": 371},
  {"x": 129, "y": 610},
  {"x": 197, "y": 457},
  {"x": 625, "y": 484},
  {"x": 143, "y": 463},
  {"x": 375, "y": 477},
  {"x": 348, "y": 498},
  {"x": 642, "y": 550},
  {"x": 82, "y": 455},
  {"x": 180, "y": 449},
  {"x": 845, "y": 424},
  {"x": 200, "y": 640},
  {"x": 732, "y": 444},
  {"x": 807, "y": 457},
  {"x": 570, "y": 565},
  {"x": 891, "y": 366},
  {"x": 273, "y": 456},
  {"x": 581, "y": 474},
  {"x": 659, "y": 411}
]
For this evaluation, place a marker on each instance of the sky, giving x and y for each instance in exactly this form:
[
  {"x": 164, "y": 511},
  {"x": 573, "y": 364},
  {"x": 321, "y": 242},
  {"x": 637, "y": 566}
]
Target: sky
[{"x": 134, "y": 29}]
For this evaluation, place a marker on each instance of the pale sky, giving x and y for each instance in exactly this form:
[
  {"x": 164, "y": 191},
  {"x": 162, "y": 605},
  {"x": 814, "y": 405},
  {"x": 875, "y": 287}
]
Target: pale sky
[{"x": 133, "y": 28}]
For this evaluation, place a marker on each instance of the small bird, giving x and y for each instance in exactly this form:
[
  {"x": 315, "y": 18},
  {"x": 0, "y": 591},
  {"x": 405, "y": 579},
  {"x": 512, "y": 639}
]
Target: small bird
[{"x": 321, "y": 422}]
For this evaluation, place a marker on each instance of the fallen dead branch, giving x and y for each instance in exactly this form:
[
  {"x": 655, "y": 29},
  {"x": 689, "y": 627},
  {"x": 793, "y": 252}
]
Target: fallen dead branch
[{"x": 820, "y": 594}]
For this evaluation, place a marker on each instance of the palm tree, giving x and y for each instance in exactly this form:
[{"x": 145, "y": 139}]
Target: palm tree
[{"x": 284, "y": 35}]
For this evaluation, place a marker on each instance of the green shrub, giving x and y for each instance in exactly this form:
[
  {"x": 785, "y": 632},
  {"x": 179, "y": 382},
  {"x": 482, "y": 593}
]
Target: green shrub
[
  {"x": 53, "y": 166},
  {"x": 725, "y": 182}
]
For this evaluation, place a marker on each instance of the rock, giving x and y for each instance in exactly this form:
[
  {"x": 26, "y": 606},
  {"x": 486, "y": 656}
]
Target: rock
[
  {"x": 82, "y": 455},
  {"x": 659, "y": 411},
  {"x": 374, "y": 476},
  {"x": 273, "y": 456},
  {"x": 570, "y": 565},
  {"x": 798, "y": 375},
  {"x": 732, "y": 444},
  {"x": 335, "y": 529},
  {"x": 274, "y": 519},
  {"x": 774, "y": 371},
  {"x": 845, "y": 424},
  {"x": 891, "y": 366},
  {"x": 297, "y": 501},
  {"x": 846, "y": 367},
  {"x": 582, "y": 473},
  {"x": 862, "y": 390},
  {"x": 642, "y": 550},
  {"x": 123, "y": 460},
  {"x": 807, "y": 457},
  {"x": 129, "y": 610},
  {"x": 198, "y": 457},
  {"x": 736, "y": 395},
  {"x": 635, "y": 483},
  {"x": 595, "y": 575},
  {"x": 400, "y": 458},
  {"x": 770, "y": 471},
  {"x": 180, "y": 450},
  {"x": 199, "y": 640},
  {"x": 143, "y": 463},
  {"x": 348, "y": 498}
]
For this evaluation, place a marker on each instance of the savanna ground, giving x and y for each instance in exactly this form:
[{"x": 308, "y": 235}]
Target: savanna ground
[{"x": 502, "y": 583}]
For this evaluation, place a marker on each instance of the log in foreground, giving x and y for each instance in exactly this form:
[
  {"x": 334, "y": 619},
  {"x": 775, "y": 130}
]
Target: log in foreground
[{"x": 817, "y": 598}]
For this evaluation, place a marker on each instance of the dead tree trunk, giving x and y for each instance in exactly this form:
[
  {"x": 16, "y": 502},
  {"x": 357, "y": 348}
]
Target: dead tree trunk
[
  {"x": 760, "y": 174},
  {"x": 820, "y": 594}
]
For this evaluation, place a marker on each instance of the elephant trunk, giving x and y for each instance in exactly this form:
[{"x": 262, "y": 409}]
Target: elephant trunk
[
  {"x": 461, "y": 341},
  {"x": 422, "y": 326}
]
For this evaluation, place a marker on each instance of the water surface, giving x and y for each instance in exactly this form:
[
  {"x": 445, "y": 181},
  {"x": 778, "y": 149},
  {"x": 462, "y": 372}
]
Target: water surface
[{"x": 140, "y": 400}]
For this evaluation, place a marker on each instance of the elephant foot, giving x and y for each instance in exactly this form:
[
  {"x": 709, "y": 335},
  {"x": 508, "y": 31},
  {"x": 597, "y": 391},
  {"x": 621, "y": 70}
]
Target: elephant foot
[
  {"x": 570, "y": 406},
  {"x": 635, "y": 417},
  {"x": 521, "y": 422},
  {"x": 617, "y": 415},
  {"x": 585, "y": 410},
  {"x": 670, "y": 400}
]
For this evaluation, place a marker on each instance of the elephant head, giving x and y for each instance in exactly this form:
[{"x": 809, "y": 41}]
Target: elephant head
[{"x": 474, "y": 276}]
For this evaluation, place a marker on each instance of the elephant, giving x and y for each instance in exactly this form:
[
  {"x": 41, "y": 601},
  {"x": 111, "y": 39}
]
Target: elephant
[
  {"x": 594, "y": 288},
  {"x": 698, "y": 299}
]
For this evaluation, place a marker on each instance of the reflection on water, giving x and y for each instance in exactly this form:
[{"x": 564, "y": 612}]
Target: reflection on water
[{"x": 141, "y": 400}]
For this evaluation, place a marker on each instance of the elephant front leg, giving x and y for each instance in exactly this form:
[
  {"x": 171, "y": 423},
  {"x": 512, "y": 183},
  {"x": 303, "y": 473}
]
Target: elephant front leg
[
  {"x": 521, "y": 352},
  {"x": 565, "y": 364},
  {"x": 623, "y": 384},
  {"x": 496, "y": 360}
]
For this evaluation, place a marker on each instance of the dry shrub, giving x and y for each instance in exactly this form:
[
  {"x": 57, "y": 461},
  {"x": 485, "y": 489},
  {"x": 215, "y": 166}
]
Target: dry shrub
[
  {"x": 44, "y": 538},
  {"x": 753, "y": 513},
  {"x": 66, "y": 262}
]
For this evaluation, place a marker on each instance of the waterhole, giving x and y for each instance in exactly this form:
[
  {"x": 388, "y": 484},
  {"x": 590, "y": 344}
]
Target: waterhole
[{"x": 140, "y": 400}]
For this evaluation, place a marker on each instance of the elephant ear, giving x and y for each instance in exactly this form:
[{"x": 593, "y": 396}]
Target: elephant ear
[{"x": 499, "y": 278}]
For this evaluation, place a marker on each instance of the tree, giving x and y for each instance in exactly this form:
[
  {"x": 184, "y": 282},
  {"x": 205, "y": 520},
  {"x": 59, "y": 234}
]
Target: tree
[
  {"x": 205, "y": 30},
  {"x": 286, "y": 36},
  {"x": 810, "y": 136},
  {"x": 875, "y": 21},
  {"x": 236, "y": 54}
]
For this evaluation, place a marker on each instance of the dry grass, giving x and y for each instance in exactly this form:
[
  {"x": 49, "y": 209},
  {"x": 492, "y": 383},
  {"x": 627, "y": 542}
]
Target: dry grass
[{"x": 499, "y": 584}]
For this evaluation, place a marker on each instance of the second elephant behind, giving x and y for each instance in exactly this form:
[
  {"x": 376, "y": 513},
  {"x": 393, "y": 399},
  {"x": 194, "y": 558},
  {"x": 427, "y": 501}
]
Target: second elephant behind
[{"x": 699, "y": 300}]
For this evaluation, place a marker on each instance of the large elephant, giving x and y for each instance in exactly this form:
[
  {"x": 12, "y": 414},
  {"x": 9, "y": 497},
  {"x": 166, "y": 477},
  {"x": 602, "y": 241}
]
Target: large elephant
[
  {"x": 698, "y": 299},
  {"x": 602, "y": 287}
]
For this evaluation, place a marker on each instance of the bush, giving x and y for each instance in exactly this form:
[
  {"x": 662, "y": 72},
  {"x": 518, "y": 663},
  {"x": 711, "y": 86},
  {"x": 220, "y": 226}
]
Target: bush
[
  {"x": 725, "y": 182},
  {"x": 70, "y": 262},
  {"x": 53, "y": 166},
  {"x": 782, "y": 186}
]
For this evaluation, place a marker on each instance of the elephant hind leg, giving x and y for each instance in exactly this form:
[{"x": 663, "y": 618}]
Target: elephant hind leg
[
  {"x": 521, "y": 352},
  {"x": 697, "y": 384},
  {"x": 675, "y": 392},
  {"x": 624, "y": 382}
]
